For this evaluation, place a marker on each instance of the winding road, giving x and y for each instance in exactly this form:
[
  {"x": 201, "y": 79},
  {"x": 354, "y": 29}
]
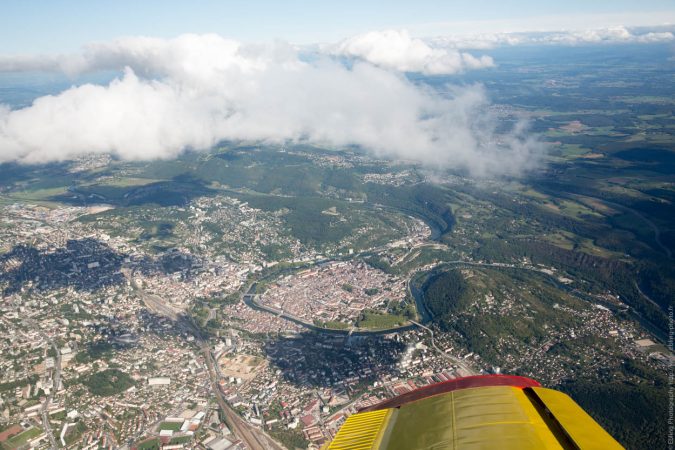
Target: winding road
[
  {"x": 652, "y": 225},
  {"x": 457, "y": 361}
]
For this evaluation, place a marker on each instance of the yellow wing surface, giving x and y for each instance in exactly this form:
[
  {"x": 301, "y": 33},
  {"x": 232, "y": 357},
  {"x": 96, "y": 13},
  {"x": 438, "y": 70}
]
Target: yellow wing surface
[{"x": 484, "y": 412}]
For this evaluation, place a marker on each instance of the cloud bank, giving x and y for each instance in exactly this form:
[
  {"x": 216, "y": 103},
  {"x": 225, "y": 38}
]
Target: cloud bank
[
  {"x": 194, "y": 91},
  {"x": 396, "y": 50},
  {"x": 611, "y": 35}
]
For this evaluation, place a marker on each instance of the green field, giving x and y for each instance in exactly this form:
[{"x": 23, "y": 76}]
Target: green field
[
  {"x": 21, "y": 439},
  {"x": 333, "y": 324},
  {"x": 150, "y": 444},
  {"x": 127, "y": 182},
  {"x": 181, "y": 440},
  {"x": 173, "y": 426},
  {"x": 373, "y": 320}
]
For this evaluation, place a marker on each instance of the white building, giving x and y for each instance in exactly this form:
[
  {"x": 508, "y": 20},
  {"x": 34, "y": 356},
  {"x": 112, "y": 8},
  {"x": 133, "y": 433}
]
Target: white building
[{"x": 159, "y": 381}]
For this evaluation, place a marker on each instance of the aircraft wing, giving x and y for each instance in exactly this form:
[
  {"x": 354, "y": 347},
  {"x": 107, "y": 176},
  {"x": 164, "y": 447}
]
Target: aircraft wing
[{"x": 480, "y": 412}]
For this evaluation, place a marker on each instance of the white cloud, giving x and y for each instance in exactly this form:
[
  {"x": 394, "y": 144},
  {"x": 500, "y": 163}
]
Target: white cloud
[
  {"x": 194, "y": 91},
  {"x": 188, "y": 56},
  {"x": 396, "y": 50},
  {"x": 649, "y": 38},
  {"x": 610, "y": 35}
]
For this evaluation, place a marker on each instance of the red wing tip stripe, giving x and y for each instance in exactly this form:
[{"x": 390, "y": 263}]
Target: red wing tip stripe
[{"x": 454, "y": 385}]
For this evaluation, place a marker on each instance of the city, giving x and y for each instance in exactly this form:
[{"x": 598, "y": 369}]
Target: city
[{"x": 82, "y": 314}]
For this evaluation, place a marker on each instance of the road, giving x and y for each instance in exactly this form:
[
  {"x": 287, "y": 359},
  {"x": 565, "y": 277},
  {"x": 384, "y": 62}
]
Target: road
[
  {"x": 252, "y": 437},
  {"x": 652, "y": 225},
  {"x": 55, "y": 387},
  {"x": 56, "y": 380},
  {"x": 645, "y": 296},
  {"x": 249, "y": 300},
  {"x": 457, "y": 361},
  {"x": 639, "y": 215}
]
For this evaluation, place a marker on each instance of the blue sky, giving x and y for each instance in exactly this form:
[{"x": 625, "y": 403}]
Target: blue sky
[{"x": 40, "y": 26}]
